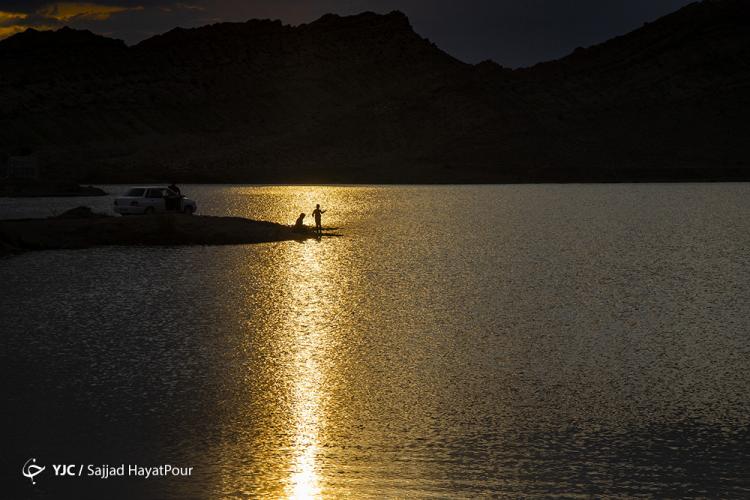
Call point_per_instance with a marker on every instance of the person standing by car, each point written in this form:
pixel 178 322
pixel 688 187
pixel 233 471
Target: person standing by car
pixel 173 200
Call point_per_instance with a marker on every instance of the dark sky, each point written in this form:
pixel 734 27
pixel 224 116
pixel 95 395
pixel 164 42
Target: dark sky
pixel 510 32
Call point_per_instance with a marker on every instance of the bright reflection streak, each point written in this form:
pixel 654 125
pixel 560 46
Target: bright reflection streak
pixel 309 285
pixel 298 304
pixel 303 481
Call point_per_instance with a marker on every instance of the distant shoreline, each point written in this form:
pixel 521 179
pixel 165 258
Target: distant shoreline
pixel 440 182
pixel 34 188
pixel 455 175
pixel 93 191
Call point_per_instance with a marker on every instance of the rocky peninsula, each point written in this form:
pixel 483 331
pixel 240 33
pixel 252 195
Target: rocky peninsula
pixel 82 228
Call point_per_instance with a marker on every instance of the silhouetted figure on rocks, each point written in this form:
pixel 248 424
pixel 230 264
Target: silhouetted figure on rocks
pixel 317 213
pixel 299 226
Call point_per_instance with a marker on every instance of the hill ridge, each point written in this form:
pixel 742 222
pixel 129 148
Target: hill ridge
pixel 365 98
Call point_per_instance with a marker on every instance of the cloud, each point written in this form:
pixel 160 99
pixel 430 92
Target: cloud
pixel 81 11
pixel 50 16
pixel 12 23
pixel 181 6
pixel 6 31
pixel 187 6
pixel 10 17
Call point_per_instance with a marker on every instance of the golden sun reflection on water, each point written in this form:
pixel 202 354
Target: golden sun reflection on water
pixel 296 319
pixel 330 370
pixel 306 409
pixel 303 336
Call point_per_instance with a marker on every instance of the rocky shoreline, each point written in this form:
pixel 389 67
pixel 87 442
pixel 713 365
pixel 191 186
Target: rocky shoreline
pixel 81 228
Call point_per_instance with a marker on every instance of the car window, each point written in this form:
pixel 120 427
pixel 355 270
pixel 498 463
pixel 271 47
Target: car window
pixel 154 193
pixel 135 192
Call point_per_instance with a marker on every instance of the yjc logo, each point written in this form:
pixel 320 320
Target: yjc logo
pixel 65 470
pixel 31 470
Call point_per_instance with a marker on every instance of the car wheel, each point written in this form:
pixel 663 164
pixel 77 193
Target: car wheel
pixel 187 210
pixel 149 211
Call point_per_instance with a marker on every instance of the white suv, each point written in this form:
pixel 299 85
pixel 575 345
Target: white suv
pixel 153 199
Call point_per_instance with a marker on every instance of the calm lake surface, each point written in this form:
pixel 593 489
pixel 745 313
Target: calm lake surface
pixel 454 341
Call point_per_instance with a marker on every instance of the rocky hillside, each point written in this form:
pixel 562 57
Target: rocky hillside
pixel 365 99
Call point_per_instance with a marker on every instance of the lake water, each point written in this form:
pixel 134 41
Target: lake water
pixel 466 341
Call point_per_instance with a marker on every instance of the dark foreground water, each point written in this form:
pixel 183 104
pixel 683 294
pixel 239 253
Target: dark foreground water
pixel 455 341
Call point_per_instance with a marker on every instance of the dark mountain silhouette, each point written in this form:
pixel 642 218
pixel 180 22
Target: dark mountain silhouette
pixel 365 99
